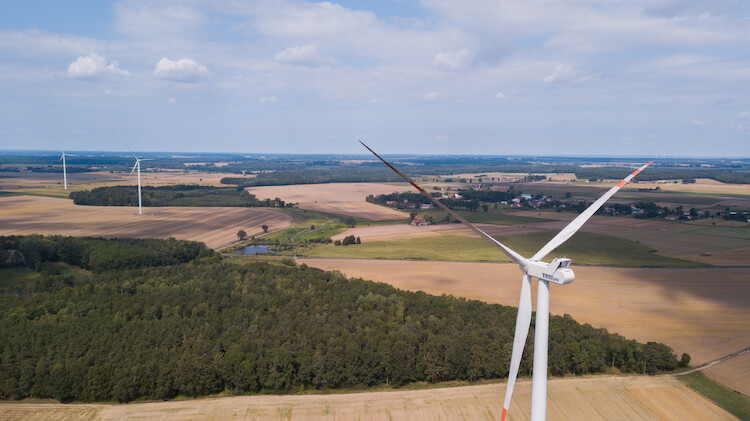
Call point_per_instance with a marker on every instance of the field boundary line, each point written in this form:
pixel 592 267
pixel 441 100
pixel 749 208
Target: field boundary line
pixel 714 362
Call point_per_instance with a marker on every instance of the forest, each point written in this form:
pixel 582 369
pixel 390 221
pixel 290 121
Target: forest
pixel 175 195
pixel 209 326
pixel 97 254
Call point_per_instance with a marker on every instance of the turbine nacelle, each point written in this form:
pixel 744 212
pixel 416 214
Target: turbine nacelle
pixel 556 272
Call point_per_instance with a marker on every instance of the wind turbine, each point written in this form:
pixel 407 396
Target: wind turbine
pixel 138 166
pixel 65 174
pixel 557 272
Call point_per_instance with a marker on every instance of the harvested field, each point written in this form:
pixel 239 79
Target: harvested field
pixel 702 311
pixel 364 210
pixel 592 398
pixel 89 180
pixel 733 373
pixel 213 226
pixel 339 198
pixel 703 186
pixel 11 411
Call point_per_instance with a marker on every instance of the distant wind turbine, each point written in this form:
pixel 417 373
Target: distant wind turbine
pixel 557 272
pixel 138 166
pixel 65 174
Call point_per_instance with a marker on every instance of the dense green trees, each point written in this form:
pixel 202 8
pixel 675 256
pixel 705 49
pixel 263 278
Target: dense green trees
pixel 97 254
pixel 177 195
pixel 207 326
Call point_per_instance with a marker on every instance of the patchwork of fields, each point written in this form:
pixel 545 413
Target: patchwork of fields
pixel 700 310
pixel 21 215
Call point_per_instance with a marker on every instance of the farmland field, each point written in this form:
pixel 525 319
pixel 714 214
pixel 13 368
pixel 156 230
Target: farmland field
pixel 214 226
pixel 583 248
pixel 733 373
pixel 52 183
pixel 339 198
pixel 702 311
pixel 587 398
pixel 715 245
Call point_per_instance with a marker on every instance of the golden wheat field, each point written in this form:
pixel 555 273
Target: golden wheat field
pixel 22 215
pixel 589 398
pixel 340 198
pixel 702 311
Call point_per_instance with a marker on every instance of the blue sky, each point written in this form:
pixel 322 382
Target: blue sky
pixel 584 77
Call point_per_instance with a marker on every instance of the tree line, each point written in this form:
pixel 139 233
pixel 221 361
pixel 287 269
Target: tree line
pixel 97 254
pixel 208 326
pixel 176 195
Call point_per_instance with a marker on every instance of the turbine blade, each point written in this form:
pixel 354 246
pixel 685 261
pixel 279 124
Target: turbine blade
pixel 523 320
pixel 581 219
pixel 505 249
pixel 131 171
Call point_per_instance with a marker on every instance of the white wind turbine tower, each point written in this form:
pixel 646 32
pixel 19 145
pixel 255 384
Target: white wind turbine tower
pixel 65 174
pixel 557 272
pixel 138 166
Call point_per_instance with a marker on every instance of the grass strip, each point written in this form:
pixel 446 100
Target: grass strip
pixel 735 403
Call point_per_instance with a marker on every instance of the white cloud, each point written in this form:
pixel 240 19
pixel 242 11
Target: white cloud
pixel 564 74
pixel 592 25
pixel 698 123
pixel 183 70
pixel 500 95
pixel 93 65
pixel 268 99
pixel 158 21
pixel 348 32
pixel 432 96
pixel 172 101
pixel 306 55
pixel 453 60
pixel 744 115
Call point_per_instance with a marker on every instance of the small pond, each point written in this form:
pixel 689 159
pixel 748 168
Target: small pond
pixel 256 249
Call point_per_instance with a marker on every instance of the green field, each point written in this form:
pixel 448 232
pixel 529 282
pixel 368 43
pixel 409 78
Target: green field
pixel 324 232
pixel 282 235
pixel 584 248
pixel 719 231
pixel 305 218
pixel 491 217
pixel 734 402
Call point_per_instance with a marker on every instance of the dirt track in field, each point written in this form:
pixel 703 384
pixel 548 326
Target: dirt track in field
pixel 339 198
pixel 590 398
pixel 702 311
pixel 23 215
